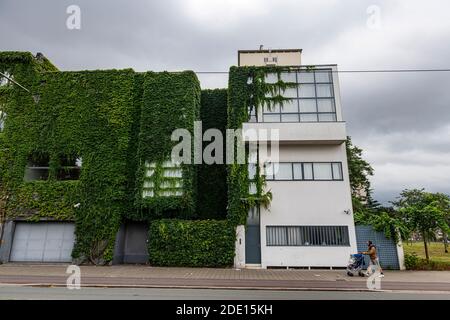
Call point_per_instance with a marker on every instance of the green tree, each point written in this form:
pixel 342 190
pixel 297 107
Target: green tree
pixel 360 171
pixel 423 212
pixel 444 203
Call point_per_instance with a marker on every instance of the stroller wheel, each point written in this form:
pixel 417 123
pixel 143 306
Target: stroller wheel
pixel 361 274
pixel 350 274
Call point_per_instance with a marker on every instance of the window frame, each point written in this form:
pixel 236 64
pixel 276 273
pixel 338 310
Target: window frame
pixel 152 190
pixel 40 160
pixel 334 233
pixel 298 99
pixel 63 166
pixel 302 163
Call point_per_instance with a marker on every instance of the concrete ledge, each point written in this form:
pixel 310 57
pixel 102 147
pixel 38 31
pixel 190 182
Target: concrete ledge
pixel 298 133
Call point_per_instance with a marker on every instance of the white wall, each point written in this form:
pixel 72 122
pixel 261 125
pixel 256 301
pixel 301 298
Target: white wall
pixel 239 254
pixel 299 133
pixel 309 203
pixel 288 58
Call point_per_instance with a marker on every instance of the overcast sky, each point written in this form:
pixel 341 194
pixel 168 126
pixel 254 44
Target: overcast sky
pixel 402 121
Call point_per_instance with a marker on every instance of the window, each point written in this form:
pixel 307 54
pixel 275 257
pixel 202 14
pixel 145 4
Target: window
pixel 4 81
pixel 253 171
pixel 170 177
pixel 70 167
pixel 322 171
pixel 270 59
pixel 253 115
pixel 307 236
pixel 325 171
pixel 37 167
pixel 2 120
pixel 283 171
pixel 307 171
pixel 298 172
pixel 311 99
pixel 337 171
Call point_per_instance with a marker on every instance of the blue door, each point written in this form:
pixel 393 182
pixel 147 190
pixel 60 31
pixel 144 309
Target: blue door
pixel 253 238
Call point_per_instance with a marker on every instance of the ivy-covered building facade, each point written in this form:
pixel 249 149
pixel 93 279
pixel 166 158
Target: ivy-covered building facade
pixel 86 173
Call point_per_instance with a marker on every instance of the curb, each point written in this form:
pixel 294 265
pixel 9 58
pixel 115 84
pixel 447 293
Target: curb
pixel 137 286
pixel 112 286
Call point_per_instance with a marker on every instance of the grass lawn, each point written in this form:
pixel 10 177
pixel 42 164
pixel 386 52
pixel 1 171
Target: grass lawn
pixel 435 250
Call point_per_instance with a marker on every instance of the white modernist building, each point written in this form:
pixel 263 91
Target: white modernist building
pixel 310 220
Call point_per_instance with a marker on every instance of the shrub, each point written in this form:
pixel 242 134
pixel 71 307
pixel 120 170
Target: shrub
pixel 413 262
pixel 201 243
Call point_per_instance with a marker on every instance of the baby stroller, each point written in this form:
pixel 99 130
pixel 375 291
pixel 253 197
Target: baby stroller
pixel 355 265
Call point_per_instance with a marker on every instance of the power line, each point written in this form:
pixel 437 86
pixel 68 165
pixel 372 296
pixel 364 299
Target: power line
pixel 15 82
pixel 36 97
pixel 353 71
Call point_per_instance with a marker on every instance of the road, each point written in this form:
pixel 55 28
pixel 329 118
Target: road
pixel 59 293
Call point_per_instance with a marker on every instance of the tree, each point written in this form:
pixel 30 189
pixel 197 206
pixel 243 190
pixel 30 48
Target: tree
pixel 444 203
pixel 423 212
pixel 359 171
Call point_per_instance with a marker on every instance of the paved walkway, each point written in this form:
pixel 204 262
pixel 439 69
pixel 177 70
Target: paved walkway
pixel 146 276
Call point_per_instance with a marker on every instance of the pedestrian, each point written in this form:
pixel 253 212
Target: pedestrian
pixel 374 261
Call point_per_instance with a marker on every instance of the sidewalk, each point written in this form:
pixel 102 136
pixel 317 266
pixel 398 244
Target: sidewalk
pixel 146 276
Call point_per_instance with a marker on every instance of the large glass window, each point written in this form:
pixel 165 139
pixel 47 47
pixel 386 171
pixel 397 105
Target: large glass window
pixel 325 171
pixel 307 236
pixel 311 99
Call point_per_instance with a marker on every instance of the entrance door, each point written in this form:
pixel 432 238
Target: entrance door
pixel 253 238
pixel 135 246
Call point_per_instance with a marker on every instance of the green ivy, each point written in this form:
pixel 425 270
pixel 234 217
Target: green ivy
pixel 88 114
pixel 117 120
pixel 247 91
pixel 212 178
pixel 201 243
pixel 174 97
pixel 39 199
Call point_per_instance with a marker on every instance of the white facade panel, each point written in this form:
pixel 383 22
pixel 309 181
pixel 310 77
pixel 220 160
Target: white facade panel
pixel 309 203
pixel 291 132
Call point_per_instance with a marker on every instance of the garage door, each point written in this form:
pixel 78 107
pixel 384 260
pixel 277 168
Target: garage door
pixel 43 242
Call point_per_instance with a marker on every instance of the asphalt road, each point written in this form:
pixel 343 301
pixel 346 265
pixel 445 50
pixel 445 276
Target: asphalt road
pixel 58 293
pixel 222 283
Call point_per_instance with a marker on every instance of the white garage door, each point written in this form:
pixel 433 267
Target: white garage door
pixel 43 242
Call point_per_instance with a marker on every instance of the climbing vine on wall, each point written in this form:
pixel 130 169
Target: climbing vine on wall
pixel 88 114
pixel 248 92
pixel 116 121
pixel 174 97
pixel 212 184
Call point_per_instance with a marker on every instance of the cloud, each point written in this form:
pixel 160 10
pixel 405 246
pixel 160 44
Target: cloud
pixel 407 160
pixel 400 120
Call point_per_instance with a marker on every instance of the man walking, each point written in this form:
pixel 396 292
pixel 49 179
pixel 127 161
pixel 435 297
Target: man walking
pixel 374 261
